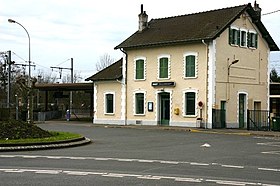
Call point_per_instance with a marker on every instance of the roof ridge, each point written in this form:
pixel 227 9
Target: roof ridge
pixel 207 11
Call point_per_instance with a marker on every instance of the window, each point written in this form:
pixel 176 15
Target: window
pixel 234 36
pixel 190 66
pixel 190 103
pixel 252 40
pixel 139 103
pixel 243 39
pixel 140 69
pixel 164 67
pixel 109 103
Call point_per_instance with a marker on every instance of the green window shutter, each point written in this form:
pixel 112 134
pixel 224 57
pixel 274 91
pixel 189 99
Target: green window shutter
pixel 109 103
pixel 139 101
pixel 190 103
pixel 238 37
pixel 190 66
pixel 249 40
pixel 230 36
pixel 256 40
pixel 163 68
pixel 140 69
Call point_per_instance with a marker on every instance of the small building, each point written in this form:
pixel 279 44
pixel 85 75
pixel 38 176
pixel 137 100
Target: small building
pixel 183 70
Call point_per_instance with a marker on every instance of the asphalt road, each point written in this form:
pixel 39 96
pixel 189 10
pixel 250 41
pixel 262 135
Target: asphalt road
pixel 125 156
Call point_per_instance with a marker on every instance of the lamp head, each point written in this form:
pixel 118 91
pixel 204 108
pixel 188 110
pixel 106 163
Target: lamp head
pixel 11 21
pixel 235 61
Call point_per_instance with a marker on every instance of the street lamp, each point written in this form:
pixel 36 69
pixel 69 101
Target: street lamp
pixel 29 111
pixel 232 63
pixel 228 86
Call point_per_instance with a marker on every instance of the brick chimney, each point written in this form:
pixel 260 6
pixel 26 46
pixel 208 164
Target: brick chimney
pixel 143 20
pixel 258 10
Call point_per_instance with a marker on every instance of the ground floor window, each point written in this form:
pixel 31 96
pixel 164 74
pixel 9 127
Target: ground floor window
pixel 109 103
pixel 139 103
pixel 190 107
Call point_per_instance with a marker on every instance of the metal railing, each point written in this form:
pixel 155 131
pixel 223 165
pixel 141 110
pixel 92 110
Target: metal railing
pixel 258 120
pixel 219 119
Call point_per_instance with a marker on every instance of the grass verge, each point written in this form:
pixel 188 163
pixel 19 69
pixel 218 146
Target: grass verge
pixel 56 136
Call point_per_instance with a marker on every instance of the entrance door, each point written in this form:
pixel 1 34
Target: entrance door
pixel 242 105
pixel 164 108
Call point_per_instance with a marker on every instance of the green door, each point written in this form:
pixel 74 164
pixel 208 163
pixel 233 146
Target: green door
pixel 223 114
pixel 242 99
pixel 164 108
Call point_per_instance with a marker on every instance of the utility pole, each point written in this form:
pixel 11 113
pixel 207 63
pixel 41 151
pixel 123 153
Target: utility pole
pixel 72 81
pixel 9 79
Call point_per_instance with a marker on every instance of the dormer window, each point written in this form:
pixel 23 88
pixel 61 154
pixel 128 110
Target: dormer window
pixel 252 39
pixel 243 38
pixel 234 36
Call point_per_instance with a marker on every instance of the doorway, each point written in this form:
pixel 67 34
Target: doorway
pixel 164 108
pixel 242 110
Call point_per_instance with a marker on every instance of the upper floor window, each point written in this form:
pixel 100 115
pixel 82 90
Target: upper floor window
pixel 190 65
pixel 252 39
pixel 163 68
pixel 234 36
pixel 139 103
pixel 139 73
pixel 243 38
pixel 109 103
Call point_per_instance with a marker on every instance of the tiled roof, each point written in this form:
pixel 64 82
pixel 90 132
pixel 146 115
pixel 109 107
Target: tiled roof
pixel 191 28
pixel 112 72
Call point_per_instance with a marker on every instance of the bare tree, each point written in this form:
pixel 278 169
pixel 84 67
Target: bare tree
pixel 44 77
pixel 76 78
pixel 104 61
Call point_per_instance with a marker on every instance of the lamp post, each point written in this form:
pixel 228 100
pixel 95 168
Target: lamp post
pixel 228 86
pixel 29 110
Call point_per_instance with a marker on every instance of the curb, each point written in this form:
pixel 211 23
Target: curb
pixel 198 130
pixel 45 145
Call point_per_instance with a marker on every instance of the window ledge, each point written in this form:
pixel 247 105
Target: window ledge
pixel 190 116
pixel 190 77
pixel 139 114
pixel 109 114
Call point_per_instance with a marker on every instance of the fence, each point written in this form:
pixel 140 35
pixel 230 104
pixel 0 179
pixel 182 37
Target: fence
pixel 258 120
pixel 218 119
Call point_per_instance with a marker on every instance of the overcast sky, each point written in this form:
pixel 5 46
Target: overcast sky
pixel 85 30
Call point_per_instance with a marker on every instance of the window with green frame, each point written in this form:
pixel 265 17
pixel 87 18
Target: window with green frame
pixel 190 66
pixel 189 103
pixel 139 69
pixel 234 36
pixel 252 40
pixel 163 67
pixel 109 103
pixel 139 103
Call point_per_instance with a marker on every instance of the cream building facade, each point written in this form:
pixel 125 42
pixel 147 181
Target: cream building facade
pixel 180 71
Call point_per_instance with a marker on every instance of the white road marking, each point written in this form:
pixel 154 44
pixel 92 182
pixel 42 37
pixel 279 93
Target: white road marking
pixel 138 176
pixel 272 152
pixel 170 162
pixel 269 169
pixel 30 156
pixel 233 166
pixel 201 164
pixel 189 180
pixel 138 161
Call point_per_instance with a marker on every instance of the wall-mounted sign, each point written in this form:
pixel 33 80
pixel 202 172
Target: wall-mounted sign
pixel 150 106
pixel 164 84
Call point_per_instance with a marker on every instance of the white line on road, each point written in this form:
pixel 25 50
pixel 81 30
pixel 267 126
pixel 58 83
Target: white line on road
pixel 201 164
pixel 138 176
pixel 269 169
pixel 233 166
